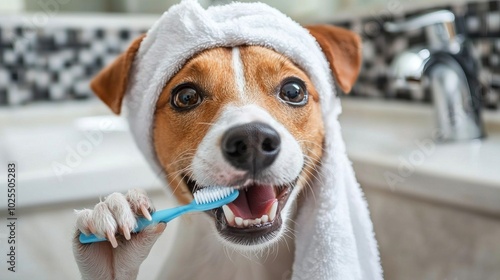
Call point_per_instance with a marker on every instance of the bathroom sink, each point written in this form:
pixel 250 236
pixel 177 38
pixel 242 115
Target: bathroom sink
pixel 392 147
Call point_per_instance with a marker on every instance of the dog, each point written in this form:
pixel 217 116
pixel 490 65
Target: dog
pixel 245 117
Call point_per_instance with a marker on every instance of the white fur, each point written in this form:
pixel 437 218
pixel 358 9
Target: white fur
pixel 239 73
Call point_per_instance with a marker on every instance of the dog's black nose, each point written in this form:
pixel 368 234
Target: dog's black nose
pixel 252 147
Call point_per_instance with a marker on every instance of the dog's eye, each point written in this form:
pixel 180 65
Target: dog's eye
pixel 185 98
pixel 294 93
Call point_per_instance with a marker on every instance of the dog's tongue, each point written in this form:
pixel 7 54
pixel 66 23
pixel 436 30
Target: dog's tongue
pixel 253 202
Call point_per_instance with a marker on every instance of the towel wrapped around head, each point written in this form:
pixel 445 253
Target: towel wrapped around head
pixel 334 235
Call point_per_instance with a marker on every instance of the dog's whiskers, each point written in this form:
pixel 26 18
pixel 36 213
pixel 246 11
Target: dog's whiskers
pixel 313 143
pixel 314 167
pixel 308 187
pixel 187 155
pixel 176 187
pixel 185 170
pixel 313 173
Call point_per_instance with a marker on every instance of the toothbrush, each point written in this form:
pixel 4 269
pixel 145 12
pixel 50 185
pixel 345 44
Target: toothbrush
pixel 204 199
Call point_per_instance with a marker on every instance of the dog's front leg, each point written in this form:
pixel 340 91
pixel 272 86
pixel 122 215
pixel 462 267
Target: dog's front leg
pixel 122 256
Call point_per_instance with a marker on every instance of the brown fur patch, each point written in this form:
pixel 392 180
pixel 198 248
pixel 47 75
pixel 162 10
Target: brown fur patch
pixel 342 49
pixel 111 83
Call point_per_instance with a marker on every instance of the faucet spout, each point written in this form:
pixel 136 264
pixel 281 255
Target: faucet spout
pixel 456 98
pixel 452 72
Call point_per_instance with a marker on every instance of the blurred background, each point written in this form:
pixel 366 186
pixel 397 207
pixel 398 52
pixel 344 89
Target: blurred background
pixel 422 127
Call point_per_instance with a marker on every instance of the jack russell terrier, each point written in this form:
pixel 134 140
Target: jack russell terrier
pixel 241 115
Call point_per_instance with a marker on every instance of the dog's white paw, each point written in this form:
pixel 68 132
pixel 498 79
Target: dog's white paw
pixel 117 214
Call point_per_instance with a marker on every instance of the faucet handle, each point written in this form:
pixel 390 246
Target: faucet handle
pixel 437 17
pixel 439 27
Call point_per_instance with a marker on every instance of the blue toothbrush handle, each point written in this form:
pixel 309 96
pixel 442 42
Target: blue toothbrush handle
pixel 162 216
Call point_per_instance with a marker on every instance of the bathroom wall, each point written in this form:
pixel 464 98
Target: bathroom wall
pixel 479 21
pixel 53 58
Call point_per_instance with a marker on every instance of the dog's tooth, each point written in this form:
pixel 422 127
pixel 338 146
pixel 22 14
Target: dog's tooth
pixel 229 214
pixel 238 221
pixel 264 218
pixel 272 212
pixel 246 222
pixel 257 221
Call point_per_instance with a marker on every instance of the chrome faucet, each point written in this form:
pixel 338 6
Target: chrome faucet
pixel 448 66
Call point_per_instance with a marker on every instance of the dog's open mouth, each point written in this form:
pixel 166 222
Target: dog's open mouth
pixel 254 216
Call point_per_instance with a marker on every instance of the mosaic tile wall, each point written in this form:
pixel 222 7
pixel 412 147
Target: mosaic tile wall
pixel 56 63
pixel 480 22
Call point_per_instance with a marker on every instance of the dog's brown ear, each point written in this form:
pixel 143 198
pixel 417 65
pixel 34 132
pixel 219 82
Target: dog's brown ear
pixel 342 48
pixel 111 83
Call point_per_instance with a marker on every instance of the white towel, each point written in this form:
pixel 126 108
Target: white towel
pixel 334 234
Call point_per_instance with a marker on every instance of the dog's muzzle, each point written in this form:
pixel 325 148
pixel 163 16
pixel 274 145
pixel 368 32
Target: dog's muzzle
pixel 255 216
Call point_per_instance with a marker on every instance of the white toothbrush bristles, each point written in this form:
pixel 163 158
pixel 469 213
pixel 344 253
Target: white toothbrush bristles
pixel 211 194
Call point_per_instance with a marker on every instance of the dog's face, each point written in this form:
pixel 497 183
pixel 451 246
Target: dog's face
pixel 242 117
pixel 248 118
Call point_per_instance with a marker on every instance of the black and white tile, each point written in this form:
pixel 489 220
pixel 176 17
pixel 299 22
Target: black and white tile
pixel 57 62
pixel 479 21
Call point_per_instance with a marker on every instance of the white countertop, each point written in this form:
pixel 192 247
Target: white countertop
pixel 63 154
pixel 380 137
